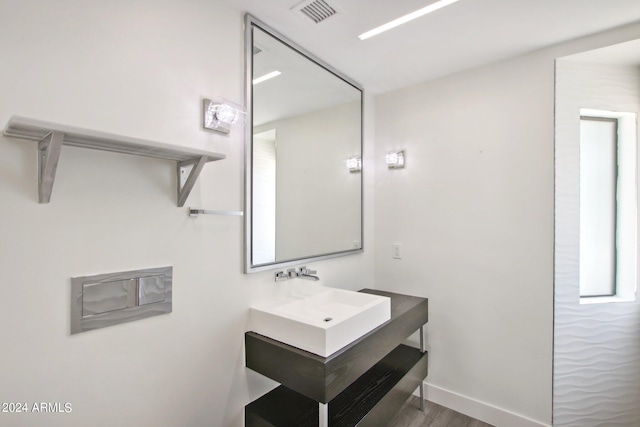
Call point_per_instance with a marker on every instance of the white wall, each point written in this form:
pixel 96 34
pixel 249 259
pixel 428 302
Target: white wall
pixel 138 68
pixel 597 346
pixel 473 211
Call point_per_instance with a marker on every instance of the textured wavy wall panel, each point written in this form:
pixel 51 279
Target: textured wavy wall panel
pixel 596 346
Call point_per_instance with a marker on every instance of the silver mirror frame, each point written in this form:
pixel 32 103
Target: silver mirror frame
pixel 251 22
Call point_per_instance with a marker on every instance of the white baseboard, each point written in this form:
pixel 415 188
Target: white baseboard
pixel 482 411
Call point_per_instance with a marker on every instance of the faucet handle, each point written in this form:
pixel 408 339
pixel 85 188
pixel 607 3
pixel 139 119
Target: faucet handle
pixel 281 275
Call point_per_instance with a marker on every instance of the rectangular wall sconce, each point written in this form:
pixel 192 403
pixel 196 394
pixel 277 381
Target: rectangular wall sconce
pixel 219 114
pixel 395 160
pixel 354 164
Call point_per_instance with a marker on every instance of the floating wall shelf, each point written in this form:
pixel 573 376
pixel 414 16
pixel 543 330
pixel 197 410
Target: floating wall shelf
pixel 52 136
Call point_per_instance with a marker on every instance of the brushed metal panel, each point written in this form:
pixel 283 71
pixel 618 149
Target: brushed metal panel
pixel 110 299
pixel 151 289
pixel 108 296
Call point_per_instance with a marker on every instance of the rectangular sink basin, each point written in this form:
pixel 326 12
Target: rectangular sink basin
pixel 322 320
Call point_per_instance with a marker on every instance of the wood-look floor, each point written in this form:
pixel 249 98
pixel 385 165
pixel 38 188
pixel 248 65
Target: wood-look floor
pixel 433 416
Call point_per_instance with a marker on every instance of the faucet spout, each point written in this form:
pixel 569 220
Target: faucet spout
pixel 292 273
pixel 307 274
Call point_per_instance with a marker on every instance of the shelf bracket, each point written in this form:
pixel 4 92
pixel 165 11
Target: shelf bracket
pixel 188 172
pixel 49 149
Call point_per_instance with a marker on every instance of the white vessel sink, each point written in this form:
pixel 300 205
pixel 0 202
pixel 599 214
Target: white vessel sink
pixel 321 320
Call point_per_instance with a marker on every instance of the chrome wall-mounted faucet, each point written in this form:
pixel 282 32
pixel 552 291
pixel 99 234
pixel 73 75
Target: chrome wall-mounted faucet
pixel 307 274
pixel 301 273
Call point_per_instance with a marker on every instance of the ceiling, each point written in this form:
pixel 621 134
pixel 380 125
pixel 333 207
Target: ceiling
pixel 464 35
pixel 626 54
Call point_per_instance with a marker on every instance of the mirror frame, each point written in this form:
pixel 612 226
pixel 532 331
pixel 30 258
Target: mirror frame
pixel 250 23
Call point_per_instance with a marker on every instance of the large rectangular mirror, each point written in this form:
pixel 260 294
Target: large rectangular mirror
pixel 303 155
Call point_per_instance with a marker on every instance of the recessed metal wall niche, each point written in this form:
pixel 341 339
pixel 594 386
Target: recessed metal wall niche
pixel 109 299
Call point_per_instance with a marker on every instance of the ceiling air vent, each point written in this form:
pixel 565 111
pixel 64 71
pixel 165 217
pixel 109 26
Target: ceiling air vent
pixel 316 10
pixel 258 48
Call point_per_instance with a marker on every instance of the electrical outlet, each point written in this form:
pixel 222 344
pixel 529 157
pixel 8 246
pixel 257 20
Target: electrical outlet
pixel 397 253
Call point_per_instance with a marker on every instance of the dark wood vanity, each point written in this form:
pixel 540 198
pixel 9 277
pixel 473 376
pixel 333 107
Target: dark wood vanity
pixel 364 383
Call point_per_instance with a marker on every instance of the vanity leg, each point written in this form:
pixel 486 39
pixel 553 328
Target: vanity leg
pixel 323 420
pixel 422 408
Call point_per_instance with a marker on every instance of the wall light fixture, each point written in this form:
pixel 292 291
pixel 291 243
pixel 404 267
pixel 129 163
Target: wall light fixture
pixel 395 160
pixel 219 114
pixel 354 164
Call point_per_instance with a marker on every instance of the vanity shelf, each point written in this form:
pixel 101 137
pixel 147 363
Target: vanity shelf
pixel 52 136
pixel 372 400
pixel 365 383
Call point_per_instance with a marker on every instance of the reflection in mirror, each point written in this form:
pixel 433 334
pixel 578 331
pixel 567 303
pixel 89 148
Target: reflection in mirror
pixel 303 201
